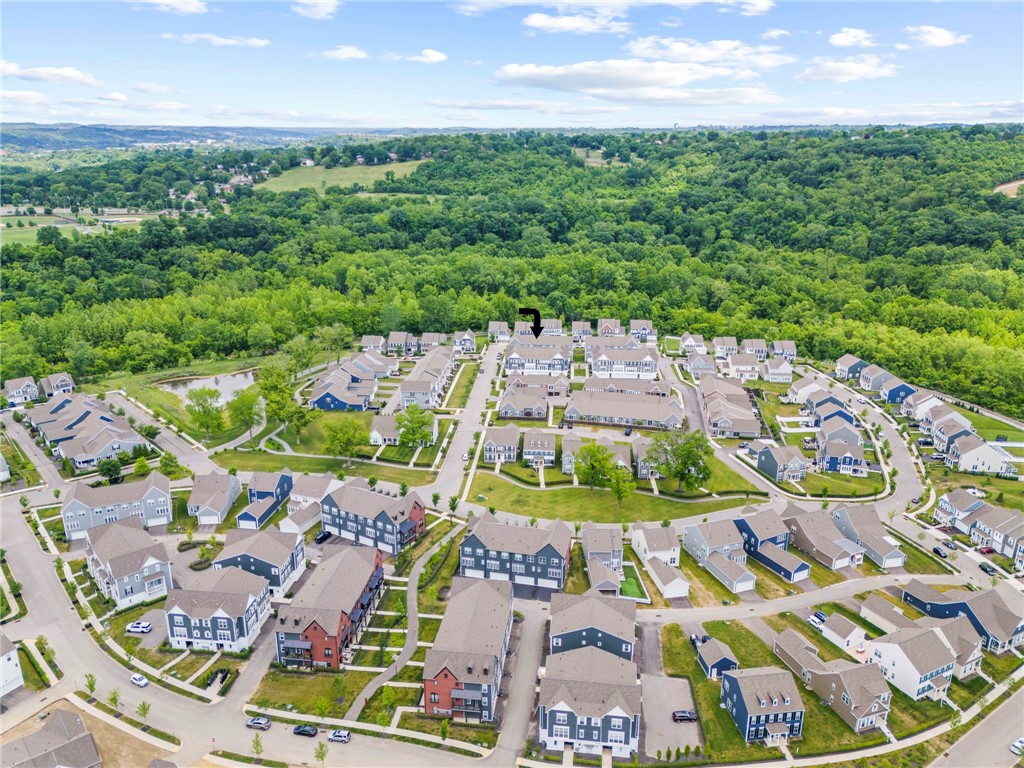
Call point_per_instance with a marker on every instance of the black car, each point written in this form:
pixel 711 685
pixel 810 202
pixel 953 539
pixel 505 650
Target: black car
pixel 321 537
pixel 629 431
pixel 988 568
pixel 684 716
pixel 305 730
pixel 705 638
pixel 940 552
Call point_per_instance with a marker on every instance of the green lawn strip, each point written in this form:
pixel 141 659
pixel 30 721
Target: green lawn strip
pixel 722 738
pixel 367 658
pixel 231 518
pixel 429 600
pixel 965 692
pixel 842 485
pixel 990 428
pixel 303 689
pixel 55 528
pixel 786 620
pixel 22 607
pixel 657 601
pixel 821 575
pixel 632 585
pixel 48 513
pixel 420 654
pixel 154 657
pixel 527 475
pixel 245 461
pixel 399 454
pixel 268 429
pixel 237 758
pixel 919 561
pixel 21 467
pixel 482 735
pixel 463 385
pixel 576 581
pixel 571 504
pixel 409 674
pixel 1000 667
pixel 524 423
pixel 750 650
pixel 944 480
pixel 424 543
pixel 705 589
pixel 188 666
pixel 722 480
pixel 30 671
pixel 856 618
pixel 168 737
pixel 374 708
pixel 429 452
pixel 393 600
pixel 907 717
pixel 769 584
pixel 429 629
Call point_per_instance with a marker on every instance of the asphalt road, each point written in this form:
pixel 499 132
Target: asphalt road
pixel 988 745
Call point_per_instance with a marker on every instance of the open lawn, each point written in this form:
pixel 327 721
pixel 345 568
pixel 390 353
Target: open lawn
pixel 816 484
pixel 33 680
pixel 723 480
pixel 990 428
pixel 231 517
pixel 631 585
pixel 429 453
pixel 319 178
pixel 400 454
pixel 750 650
pixel 429 598
pixel 947 480
pixel 999 667
pixel 576 582
pixel 20 466
pixel 303 689
pixel 268 462
pixel 820 575
pixel 770 585
pixel 463 385
pixel 797 622
pixel 907 716
pixel 721 736
pixel 919 561
pixel 965 692
pixel 657 601
pixel 188 666
pixel 311 439
pixel 154 657
pixel 572 504
pixel 404 697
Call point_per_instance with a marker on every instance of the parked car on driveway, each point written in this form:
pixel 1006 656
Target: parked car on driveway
pixel 684 716
pixel 820 616
pixel 305 730
pixel 259 723
pixel 140 680
pixel 342 737
pixel 321 537
pixel 1017 747
pixel 815 622
pixel 141 627
pixel 986 550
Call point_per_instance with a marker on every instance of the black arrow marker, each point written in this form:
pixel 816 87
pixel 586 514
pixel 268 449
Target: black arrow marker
pixel 537 328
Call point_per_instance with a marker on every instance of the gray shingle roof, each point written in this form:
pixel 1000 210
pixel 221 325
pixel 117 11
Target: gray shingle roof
pixel 228 589
pixel 334 587
pixel 591 682
pixel 6 646
pixel 210 491
pixel 123 546
pixel 609 614
pixel 765 684
pixel 270 545
pixel 841 625
pixel 357 498
pixel 122 493
pixel 62 742
pixel 925 651
pixel 520 538
pixel 720 533
pixel 659 538
pixel 765 523
pixel 714 650
pixel 472 632
pixel 601 539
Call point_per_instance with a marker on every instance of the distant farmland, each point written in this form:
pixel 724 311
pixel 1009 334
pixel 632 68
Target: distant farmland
pixel 319 178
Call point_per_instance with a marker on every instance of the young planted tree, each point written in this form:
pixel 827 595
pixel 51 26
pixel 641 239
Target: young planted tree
pixel 320 753
pixel 387 698
pixel 444 729
pixel 435 499
pixel 683 457
pixel 300 352
pixel 90 683
pixel 621 484
pixel 169 463
pixel 256 746
pixel 141 468
pixel 114 699
pixel 143 710
pixel 203 405
pixel 453 505
pixel 593 465
pixel 321 708
pixel 403 489
pixel 245 409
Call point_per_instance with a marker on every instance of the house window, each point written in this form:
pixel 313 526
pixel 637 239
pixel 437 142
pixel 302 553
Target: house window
pixel 615 724
pixel 327 653
pixel 561 718
pixel 542 560
pixel 556 642
pixel 434 698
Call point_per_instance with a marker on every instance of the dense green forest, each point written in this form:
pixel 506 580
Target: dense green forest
pixel 887 244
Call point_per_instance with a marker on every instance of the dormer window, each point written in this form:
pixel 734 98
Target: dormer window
pixel 762 702
pixel 786 700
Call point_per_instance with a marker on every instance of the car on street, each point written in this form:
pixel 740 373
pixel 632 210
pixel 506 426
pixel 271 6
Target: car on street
pixel 140 680
pixel 986 550
pixel 940 552
pixel 342 737
pixel 916 500
pixel 862 400
pixel 259 723
pixel 1017 747
pixel 629 431
pixel 305 730
pixel 684 716
pixel 321 537
pixel 694 641
pixel 141 627
pixel 465 457
pixel 950 544
pixel 561 425
pixel 743 445
pixel 988 568
pixel 568 425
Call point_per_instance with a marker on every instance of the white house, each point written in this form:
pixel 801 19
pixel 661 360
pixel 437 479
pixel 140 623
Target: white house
pixel 914 660
pixel 10 667
pixel 652 540
pixel 969 453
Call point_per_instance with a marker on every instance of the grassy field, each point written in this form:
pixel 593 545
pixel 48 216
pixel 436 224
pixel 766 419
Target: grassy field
pixel 18 462
pixel 965 692
pixel 721 736
pixel 579 504
pixel 404 697
pixel 989 428
pixel 312 438
pixel 907 716
pixel 919 561
pixel 816 484
pixel 826 651
pixel 154 657
pixel 769 584
pixel 657 600
pixel 946 480
pixel 999 667
pixel 631 585
pixel 319 178
pixel 463 385
pixel 820 575
pixel 722 480
pixel 483 735
pixel 576 582
pixel 268 462
pixel 302 690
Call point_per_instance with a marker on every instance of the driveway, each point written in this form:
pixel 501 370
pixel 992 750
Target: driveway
pixel 662 696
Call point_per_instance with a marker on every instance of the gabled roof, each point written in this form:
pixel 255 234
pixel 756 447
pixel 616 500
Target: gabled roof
pixel 604 539
pixel 266 482
pixel 122 493
pixel 888 611
pixel 62 742
pixel 313 486
pixel 764 523
pixel 714 651
pixel 802 653
pixel 998 615
pixel 228 589
pixel 124 547
pixel 765 684
pixel 609 614
pixel 523 398
pixel 591 682
pixel 960 635
pixel 332 588
pixel 536 440
pixel 719 533
pixel 847 360
pixel 357 498
pixel 659 538
pixel 472 633
pixel 270 545
pixel 502 435
pixel 523 539
pixel 211 491
pixel 841 625
pixel 6 646
pixel 923 649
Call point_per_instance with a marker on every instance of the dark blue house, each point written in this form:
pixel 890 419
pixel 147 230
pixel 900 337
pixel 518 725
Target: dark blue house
pixel 830 414
pixel 267 492
pixel 580 621
pixel 764 703
pixel 843 458
pixel 896 391
pixel 715 658
pixel 1000 625
pixel 816 402
pixel 765 538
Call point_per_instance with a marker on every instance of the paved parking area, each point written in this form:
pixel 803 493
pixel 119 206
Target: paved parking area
pixel 663 695
pixel 153 639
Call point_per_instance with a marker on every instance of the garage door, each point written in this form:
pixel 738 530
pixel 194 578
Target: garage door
pixel 473 574
pixel 524 580
pixel 208 519
pixel 366 541
pixel 499 576
pixel 550 583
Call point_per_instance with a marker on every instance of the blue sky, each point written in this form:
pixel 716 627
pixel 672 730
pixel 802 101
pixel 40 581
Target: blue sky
pixel 507 63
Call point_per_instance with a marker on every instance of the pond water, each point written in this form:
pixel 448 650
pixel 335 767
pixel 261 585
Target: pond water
pixel 226 384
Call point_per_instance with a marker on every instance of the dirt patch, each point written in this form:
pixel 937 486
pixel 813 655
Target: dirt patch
pixel 1010 189
pixel 118 748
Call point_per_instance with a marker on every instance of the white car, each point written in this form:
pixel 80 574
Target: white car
pixel 815 622
pixel 141 627
pixel 140 680
pixel 342 737
pixel 1017 747
pixel 465 457
pixel 862 400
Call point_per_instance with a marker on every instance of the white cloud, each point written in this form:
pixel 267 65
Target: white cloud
pixel 426 56
pixel 985 111
pixel 24 98
pixel 578 24
pixel 47 74
pixel 218 40
pixel 901 46
pixel 151 88
pixel 862 67
pixel 851 37
pixel 345 53
pixel 115 97
pixel 936 37
pixel 532 105
pixel 725 52
pixel 774 34
pixel 466 117
pixel 745 7
pixel 635 80
pixel 316 9
pixel 181 7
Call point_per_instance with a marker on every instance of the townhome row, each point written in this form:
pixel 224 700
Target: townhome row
pixel 405 344
pixel 995 614
pixel 351 384
pixel 429 379
pixel 728 410
pixel 843 537
pixel 28 390
pixel 517 553
pixel 641 330
pixel 84 430
pixel 987 525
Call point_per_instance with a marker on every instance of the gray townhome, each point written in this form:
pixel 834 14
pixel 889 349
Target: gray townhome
pixel 222 610
pixel 604 543
pixel 372 517
pixel 718 547
pixel 590 701
pixel 501 444
pixel 129 567
pixel 517 553
pixel 86 507
pixel 278 557
pixel 578 621
pixel 212 497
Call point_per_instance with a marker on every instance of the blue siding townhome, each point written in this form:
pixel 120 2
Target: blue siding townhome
pixel 765 538
pixel 765 704
pixel 578 621
pixel 716 658
pixel 784 464
pixel 591 701
pixel 827 415
pixel 221 610
pixel 517 553
pixel 843 458
pixel 862 525
pixel 896 391
pixel 818 400
pixel 997 617
pixel 849 367
pixel 267 492
pixel 374 517
pixel 873 378
pixel 278 557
